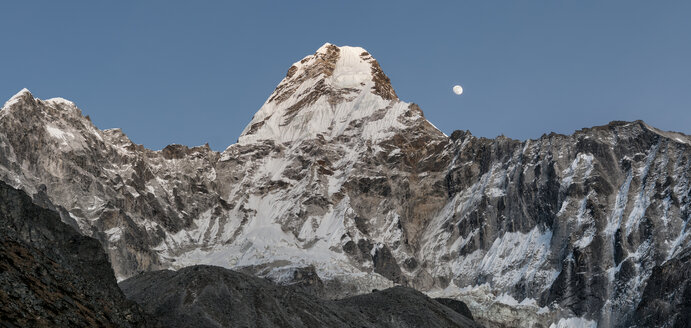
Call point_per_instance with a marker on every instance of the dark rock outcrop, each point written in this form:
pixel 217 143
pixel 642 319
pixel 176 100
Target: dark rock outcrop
pixel 666 300
pixel 455 305
pixel 208 296
pixel 306 280
pixel 52 276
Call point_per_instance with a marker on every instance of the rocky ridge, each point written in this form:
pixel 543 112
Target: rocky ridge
pixel 336 172
pixel 208 296
pixel 50 275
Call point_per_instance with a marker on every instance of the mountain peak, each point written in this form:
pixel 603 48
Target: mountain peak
pixel 337 68
pixel 325 47
pixel 23 95
pixel 335 82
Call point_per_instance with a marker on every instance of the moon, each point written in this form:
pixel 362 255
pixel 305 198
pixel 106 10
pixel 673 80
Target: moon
pixel 457 89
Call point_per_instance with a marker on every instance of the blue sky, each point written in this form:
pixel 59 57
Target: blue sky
pixel 196 71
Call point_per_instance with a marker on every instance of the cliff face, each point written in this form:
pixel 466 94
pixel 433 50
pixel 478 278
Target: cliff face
pixel 50 275
pixel 666 299
pixel 575 221
pixel 336 172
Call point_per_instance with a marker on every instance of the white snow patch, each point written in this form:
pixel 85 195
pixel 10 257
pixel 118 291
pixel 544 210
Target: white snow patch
pixel 582 164
pixel 514 257
pixel 676 244
pixel 684 141
pixel 66 139
pixel 642 200
pixel 614 221
pixel 574 322
pixel 15 99
pixel 263 241
pixel 496 192
pixel 586 239
pixel 132 191
pixel 507 299
pixel 60 101
pixel 114 234
pixel 497 306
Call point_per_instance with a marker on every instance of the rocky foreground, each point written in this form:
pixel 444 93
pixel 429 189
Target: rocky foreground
pixel 208 296
pixel 52 276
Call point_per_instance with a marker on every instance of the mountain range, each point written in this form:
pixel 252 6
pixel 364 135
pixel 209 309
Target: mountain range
pixel 336 174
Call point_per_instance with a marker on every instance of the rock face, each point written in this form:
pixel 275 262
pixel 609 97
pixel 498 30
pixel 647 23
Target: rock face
pixel 666 300
pixel 335 172
pixel 455 305
pixel 208 296
pixel 52 276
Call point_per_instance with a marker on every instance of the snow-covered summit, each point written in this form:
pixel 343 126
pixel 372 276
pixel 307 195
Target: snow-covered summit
pixel 22 94
pixel 323 93
pixel 61 101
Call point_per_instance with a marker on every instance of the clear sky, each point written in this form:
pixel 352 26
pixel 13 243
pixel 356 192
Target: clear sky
pixel 192 72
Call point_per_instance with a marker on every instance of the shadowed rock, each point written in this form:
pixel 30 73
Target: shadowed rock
pixel 208 296
pixel 455 305
pixel 667 297
pixel 51 276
